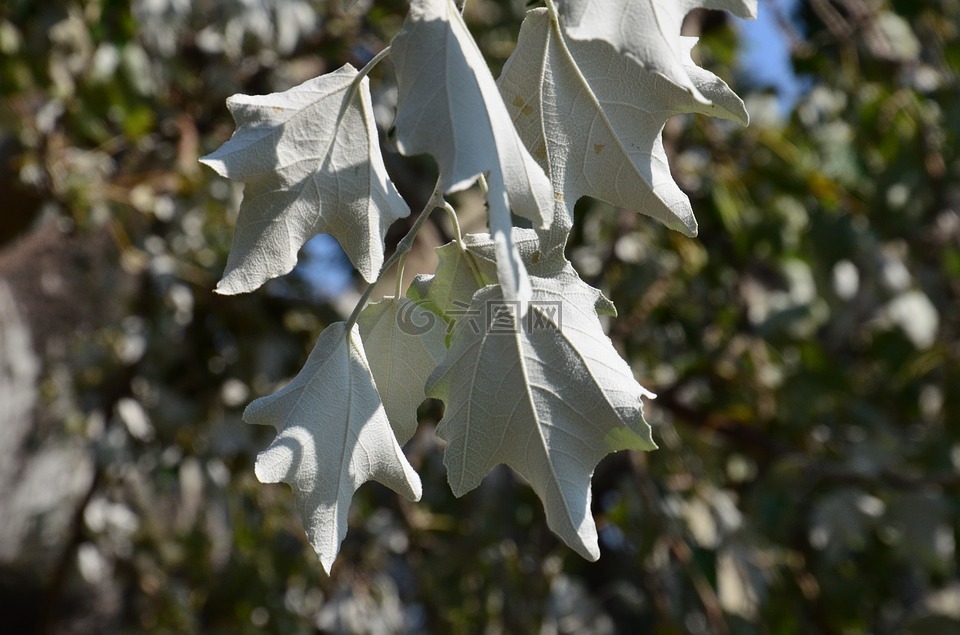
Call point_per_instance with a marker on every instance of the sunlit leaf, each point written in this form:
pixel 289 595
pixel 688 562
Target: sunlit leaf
pixel 648 31
pixel 449 106
pixel 332 436
pixel 311 162
pixel 594 119
pixel 548 395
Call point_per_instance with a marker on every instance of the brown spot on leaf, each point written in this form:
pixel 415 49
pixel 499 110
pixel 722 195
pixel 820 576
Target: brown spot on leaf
pixel 540 152
pixel 524 107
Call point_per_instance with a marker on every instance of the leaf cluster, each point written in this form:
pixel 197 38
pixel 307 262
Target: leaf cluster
pixel 505 332
pixel 803 347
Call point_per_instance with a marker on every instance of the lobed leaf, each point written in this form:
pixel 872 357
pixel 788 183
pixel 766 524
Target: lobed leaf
pixel 310 160
pixel 549 399
pixel 594 119
pixel 647 31
pixel 332 436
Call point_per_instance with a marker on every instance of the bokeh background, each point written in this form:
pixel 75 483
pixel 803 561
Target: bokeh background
pixel 805 347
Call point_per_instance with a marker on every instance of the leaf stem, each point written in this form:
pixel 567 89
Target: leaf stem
pixel 399 254
pixel 452 213
pixel 373 62
pixel 553 10
pixel 484 188
pixel 363 72
pixel 398 287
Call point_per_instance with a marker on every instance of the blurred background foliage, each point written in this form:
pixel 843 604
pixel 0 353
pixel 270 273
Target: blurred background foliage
pixel 805 348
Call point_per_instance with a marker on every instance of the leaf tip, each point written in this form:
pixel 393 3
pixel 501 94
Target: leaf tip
pixel 237 280
pixel 416 487
pixel 678 215
pixel 458 487
pixel 254 413
pixel 604 305
pixel 214 162
pixel 226 288
pixel 326 559
pixel 262 472
pixel 587 546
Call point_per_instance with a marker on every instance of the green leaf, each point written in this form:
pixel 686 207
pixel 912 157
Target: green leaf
pixel 310 159
pixel 594 119
pixel 404 343
pixel 332 436
pixel 459 275
pixel 461 272
pixel 549 399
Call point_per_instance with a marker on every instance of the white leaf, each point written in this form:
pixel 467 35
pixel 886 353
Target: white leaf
pixel 332 436
pixel 404 343
pixel 311 162
pixel 594 119
pixel 449 106
pixel 646 30
pixel 550 400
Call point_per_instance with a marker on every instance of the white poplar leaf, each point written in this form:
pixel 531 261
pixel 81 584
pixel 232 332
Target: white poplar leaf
pixel 594 119
pixel 332 436
pixel 449 106
pixel 404 343
pixel 550 400
pixel 648 31
pixel 310 161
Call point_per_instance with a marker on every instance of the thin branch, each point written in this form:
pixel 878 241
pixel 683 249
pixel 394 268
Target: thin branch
pixel 404 246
